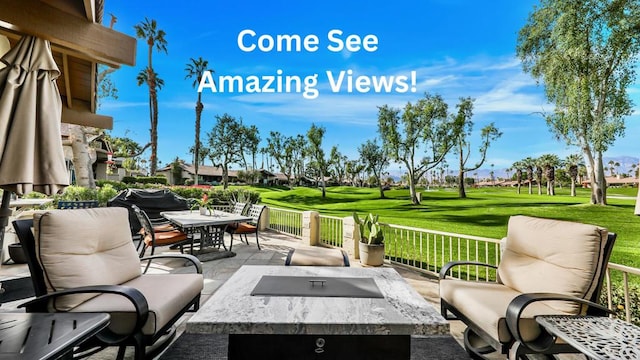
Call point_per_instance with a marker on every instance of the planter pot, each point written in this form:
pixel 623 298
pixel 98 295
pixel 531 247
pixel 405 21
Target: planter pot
pixel 205 211
pixel 371 255
pixel 17 254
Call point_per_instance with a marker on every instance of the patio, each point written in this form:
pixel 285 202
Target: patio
pixel 275 247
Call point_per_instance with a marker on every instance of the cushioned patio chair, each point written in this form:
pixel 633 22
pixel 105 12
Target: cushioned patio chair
pixel 85 261
pixel 548 267
pixel 154 236
pixel 245 228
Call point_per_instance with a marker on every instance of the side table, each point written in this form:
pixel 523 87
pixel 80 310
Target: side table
pixel 595 336
pixel 46 335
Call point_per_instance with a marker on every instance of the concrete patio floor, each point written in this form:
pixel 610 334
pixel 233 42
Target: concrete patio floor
pixel 275 247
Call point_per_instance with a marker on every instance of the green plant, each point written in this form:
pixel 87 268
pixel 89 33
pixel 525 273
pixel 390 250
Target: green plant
pixel 370 229
pixel 106 193
pixel 118 185
pixel 204 202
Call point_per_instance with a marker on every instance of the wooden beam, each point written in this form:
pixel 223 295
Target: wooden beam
pixel 67 81
pixel 37 18
pixel 93 87
pixel 90 9
pixel 85 118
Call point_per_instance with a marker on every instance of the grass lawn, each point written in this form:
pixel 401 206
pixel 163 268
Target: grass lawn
pixel 485 211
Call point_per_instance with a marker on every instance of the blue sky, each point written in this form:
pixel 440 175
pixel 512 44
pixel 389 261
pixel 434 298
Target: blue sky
pixel 456 48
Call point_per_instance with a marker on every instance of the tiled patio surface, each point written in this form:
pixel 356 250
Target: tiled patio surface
pixel 275 247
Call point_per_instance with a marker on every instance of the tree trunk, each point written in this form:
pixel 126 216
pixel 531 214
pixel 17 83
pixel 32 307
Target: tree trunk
pixel 381 190
pixel 225 176
pixel 461 193
pixel 412 190
pixel 81 158
pixel 196 156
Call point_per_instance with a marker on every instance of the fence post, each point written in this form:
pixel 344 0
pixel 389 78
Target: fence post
pixel 350 237
pixel 311 227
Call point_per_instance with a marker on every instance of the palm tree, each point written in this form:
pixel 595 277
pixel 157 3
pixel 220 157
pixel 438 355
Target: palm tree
pixel 573 162
pixel 148 30
pixel 518 166
pixel 550 162
pixel 529 164
pixel 611 167
pixel 195 69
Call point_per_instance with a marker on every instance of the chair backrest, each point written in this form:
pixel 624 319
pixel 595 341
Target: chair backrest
pixel 543 255
pixel 147 228
pixel 24 231
pixel 239 208
pixel 84 204
pixel 255 212
pixel 84 247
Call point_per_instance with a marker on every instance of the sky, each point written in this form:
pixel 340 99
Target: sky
pixel 454 48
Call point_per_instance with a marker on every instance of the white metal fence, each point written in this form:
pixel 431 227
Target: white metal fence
pixel 429 250
pixel 285 221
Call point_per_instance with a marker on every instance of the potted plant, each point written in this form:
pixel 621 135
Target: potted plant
pixel 371 243
pixel 204 204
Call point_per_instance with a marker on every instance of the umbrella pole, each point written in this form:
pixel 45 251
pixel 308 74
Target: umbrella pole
pixel 5 212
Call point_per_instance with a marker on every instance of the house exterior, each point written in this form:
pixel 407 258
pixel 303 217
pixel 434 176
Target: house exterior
pixel 209 175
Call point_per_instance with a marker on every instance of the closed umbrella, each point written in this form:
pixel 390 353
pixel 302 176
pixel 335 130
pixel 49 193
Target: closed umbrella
pixel 31 155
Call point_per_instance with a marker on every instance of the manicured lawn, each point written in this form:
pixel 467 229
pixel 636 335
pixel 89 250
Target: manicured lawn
pixel 485 212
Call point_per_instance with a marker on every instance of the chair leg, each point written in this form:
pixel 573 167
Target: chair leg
pixel 230 241
pixel 257 241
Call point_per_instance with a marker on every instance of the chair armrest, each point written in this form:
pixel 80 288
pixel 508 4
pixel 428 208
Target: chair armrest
pixel 448 266
pixel 519 303
pixel 194 260
pixel 40 304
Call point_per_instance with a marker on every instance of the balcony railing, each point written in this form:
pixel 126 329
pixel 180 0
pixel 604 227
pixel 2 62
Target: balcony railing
pixel 286 221
pixel 331 230
pixel 428 250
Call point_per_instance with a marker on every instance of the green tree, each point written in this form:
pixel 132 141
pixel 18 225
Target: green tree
pixel 148 30
pixel 225 144
pixel 549 162
pixel 518 166
pixel 281 148
pixel 488 134
pixel 195 68
pixel 353 169
pixel 584 52
pixel 423 126
pixel 375 161
pixel 573 162
pixel 529 164
pixel 539 173
pixel 337 163
pixel 314 138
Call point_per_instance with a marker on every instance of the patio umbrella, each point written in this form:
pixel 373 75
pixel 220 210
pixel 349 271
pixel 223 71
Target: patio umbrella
pixel 31 155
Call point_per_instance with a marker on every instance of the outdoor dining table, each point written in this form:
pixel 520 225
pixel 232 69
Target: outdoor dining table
pixel 46 335
pixel 210 227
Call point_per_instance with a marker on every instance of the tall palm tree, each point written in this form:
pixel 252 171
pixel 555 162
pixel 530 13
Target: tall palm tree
pixel 573 162
pixel 549 162
pixel 195 69
pixel 529 164
pixel 518 166
pixel 148 30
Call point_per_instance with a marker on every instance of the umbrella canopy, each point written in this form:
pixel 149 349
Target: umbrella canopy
pixel 31 155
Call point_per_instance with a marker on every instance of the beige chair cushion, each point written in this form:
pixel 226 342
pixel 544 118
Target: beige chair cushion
pixel 160 291
pixel 485 304
pixel 554 256
pixel 316 256
pixel 84 247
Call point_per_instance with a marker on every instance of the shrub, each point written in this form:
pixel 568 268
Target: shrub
pixel 188 182
pixel 78 193
pixel 617 298
pixel 105 193
pixel 188 192
pixel 160 179
pixel 118 185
